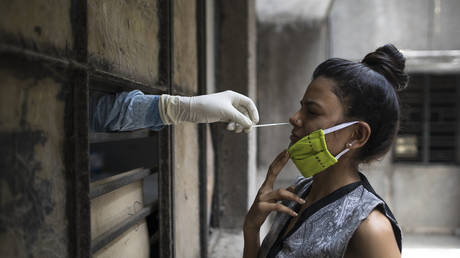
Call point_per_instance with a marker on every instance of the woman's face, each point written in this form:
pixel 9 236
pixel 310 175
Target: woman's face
pixel 320 109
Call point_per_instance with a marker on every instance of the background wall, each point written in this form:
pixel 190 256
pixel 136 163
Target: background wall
pixel 359 26
pixel 292 40
pixel 186 146
pixel 33 180
pixel 35 118
pixel 235 164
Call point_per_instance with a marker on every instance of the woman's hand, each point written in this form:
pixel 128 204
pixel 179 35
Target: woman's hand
pixel 267 199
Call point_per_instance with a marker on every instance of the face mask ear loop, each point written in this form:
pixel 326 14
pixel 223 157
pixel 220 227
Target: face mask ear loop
pixel 341 153
pixel 338 127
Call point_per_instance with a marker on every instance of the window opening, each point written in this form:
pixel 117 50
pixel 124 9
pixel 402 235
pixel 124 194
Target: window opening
pixel 429 120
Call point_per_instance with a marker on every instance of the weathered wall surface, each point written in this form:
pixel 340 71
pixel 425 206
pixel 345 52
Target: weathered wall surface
pixel 290 45
pixel 360 26
pixel 186 194
pixel 425 198
pixel 292 39
pixel 186 173
pixel 235 70
pixel 35 107
pixel 185 57
pixel 26 25
pixel 283 77
pixel 33 219
pixel 123 38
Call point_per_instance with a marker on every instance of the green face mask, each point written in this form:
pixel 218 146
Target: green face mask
pixel 310 154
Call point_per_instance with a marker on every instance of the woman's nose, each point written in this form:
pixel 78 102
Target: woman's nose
pixel 295 120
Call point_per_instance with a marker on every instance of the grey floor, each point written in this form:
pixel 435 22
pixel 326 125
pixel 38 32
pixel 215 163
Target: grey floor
pixel 226 244
pixel 229 244
pixel 431 246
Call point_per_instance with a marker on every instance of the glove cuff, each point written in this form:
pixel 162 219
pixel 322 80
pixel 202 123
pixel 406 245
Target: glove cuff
pixel 173 109
pixel 163 108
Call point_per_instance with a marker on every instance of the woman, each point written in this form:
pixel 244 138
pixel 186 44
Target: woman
pixel 349 115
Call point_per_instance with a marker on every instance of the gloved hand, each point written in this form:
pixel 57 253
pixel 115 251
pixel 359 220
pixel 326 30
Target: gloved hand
pixel 228 106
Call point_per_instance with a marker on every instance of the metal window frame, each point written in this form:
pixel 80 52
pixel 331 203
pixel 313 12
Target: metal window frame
pixel 426 88
pixel 425 136
pixel 166 138
pixel 202 132
pixel 458 120
pixel 426 119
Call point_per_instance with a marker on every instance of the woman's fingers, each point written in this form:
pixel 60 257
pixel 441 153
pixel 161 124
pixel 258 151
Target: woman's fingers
pixel 267 207
pixel 275 168
pixel 279 195
pixel 291 189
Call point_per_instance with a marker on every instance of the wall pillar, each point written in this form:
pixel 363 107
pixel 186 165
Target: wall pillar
pixel 235 70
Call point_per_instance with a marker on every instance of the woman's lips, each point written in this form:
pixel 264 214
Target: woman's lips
pixel 294 138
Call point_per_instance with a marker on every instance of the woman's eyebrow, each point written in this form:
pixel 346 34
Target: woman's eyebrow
pixel 310 102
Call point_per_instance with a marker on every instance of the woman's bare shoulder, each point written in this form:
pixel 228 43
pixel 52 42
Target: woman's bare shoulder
pixel 374 238
pixel 375 224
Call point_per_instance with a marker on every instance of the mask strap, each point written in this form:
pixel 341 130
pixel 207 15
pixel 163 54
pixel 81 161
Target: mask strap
pixel 338 127
pixel 341 153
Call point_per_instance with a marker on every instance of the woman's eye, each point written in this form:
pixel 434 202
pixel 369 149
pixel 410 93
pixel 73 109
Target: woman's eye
pixel 312 113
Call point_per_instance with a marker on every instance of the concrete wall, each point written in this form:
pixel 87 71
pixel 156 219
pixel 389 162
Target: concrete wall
pixel 35 106
pixel 33 221
pixel 288 50
pixel 123 38
pixel 235 70
pixel 186 173
pixel 359 26
pixel 18 22
pixel 425 199
pixel 292 39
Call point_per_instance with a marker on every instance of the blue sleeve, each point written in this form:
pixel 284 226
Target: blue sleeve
pixel 126 111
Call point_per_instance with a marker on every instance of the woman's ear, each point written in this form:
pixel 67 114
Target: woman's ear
pixel 361 134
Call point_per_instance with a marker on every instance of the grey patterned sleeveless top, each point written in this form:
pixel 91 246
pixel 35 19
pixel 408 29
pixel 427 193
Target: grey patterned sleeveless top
pixel 325 228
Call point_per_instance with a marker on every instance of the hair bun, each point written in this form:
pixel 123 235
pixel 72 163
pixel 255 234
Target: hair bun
pixel 389 62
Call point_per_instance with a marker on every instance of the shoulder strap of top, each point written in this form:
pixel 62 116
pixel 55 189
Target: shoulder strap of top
pixel 385 210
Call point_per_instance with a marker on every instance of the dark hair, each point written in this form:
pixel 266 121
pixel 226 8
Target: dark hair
pixel 367 90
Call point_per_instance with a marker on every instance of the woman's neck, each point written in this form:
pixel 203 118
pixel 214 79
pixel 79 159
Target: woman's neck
pixel 332 179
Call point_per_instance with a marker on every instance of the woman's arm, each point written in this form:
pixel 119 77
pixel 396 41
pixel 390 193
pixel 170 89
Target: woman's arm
pixel 251 242
pixel 374 238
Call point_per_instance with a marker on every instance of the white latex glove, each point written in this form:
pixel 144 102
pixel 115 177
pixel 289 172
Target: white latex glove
pixel 228 106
